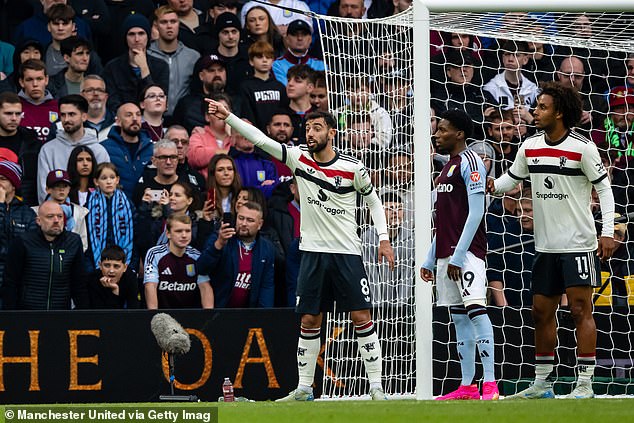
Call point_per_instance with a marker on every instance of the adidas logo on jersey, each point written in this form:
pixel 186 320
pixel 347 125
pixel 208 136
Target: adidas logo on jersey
pixel 167 271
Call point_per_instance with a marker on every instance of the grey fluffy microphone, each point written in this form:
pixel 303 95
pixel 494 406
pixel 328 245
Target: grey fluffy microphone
pixel 170 335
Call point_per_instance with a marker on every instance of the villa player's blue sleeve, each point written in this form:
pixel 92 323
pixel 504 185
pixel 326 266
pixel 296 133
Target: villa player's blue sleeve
pixel 430 261
pixel 474 180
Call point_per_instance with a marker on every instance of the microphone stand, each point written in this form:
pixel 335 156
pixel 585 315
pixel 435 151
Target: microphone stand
pixel 172 397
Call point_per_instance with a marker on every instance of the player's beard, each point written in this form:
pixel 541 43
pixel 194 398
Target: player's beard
pixel 321 144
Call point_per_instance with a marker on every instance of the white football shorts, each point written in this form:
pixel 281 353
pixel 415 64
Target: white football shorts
pixel 472 289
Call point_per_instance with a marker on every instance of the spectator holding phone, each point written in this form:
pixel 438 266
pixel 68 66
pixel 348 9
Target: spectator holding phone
pixel 223 185
pixel 183 200
pixel 153 190
pixel 240 262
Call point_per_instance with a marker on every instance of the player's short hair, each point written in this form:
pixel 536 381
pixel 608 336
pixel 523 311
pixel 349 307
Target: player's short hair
pixel 9 97
pixel 114 253
pixel 70 44
pixel 459 120
pixel 261 49
pixel 60 12
pixel 181 218
pixel 32 64
pixel 301 72
pixel 76 100
pixel 330 120
pixel 566 101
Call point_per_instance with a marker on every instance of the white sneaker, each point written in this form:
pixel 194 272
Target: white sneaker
pixel 534 392
pixel 297 395
pixel 581 391
pixel 378 394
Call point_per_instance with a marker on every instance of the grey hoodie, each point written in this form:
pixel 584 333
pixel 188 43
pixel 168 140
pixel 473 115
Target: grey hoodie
pixel 181 64
pixel 55 153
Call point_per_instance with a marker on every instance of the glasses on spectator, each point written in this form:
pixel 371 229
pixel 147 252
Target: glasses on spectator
pixel 165 158
pixel 182 141
pixel 155 96
pixel 92 91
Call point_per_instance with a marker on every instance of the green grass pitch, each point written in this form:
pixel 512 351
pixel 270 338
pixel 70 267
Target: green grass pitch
pixel 618 410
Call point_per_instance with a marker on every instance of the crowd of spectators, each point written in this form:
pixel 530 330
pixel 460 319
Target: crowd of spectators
pixel 104 135
pixel 118 190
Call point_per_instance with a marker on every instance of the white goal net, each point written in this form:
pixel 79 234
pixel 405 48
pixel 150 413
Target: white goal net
pixel 370 72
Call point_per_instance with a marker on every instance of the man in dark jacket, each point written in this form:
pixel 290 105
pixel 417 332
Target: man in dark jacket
pixel 212 78
pixel 46 266
pixel 284 219
pixel 127 75
pixel 240 267
pixel 15 216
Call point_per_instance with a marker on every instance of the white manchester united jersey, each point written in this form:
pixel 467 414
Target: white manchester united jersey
pixel 328 194
pixel 328 200
pixel 562 175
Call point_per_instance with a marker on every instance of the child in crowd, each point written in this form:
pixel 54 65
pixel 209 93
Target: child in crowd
pixel 261 93
pixel 81 169
pixel 110 217
pixel 57 189
pixel 113 285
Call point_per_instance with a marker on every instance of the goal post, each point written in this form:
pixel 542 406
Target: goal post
pixel 422 166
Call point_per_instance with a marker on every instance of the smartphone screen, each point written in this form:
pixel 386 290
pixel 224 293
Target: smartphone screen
pixel 227 218
pixel 155 194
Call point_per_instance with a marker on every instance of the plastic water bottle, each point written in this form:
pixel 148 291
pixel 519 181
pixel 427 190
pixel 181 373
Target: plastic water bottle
pixel 227 390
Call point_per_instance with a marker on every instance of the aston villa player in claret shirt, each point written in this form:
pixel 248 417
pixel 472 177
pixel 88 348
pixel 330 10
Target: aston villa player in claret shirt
pixel 458 251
